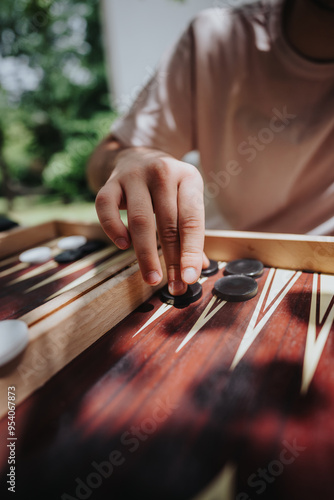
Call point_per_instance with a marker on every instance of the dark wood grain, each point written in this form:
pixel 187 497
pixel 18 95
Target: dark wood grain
pixel 16 300
pixel 173 420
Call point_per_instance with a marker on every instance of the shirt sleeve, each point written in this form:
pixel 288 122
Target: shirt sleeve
pixel 162 117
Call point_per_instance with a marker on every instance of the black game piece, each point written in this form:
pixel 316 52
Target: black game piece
pixel 68 256
pixel 193 293
pixel 6 224
pixel 247 267
pixel 211 270
pixel 78 253
pixel 236 288
pixel 92 246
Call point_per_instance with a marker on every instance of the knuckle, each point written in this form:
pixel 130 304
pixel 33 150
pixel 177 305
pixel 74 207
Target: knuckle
pixel 169 234
pixel 191 171
pixel 190 223
pixel 159 170
pixel 110 227
pixel 198 182
pixel 195 178
pixel 108 222
pixel 139 221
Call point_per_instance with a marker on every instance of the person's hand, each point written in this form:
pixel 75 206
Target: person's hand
pixel 145 182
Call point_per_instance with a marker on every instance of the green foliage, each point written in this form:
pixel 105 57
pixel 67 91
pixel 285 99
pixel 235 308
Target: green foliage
pixel 65 172
pixel 18 140
pixel 53 94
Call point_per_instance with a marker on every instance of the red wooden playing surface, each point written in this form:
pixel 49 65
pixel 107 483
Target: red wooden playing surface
pixel 141 415
pixel 17 299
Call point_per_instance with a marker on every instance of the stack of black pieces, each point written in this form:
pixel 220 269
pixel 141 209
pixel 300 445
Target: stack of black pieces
pixel 77 253
pixel 239 282
pixel 193 293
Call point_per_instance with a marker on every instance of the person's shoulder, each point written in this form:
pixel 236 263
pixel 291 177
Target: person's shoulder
pixel 217 19
pixel 213 18
pixel 218 29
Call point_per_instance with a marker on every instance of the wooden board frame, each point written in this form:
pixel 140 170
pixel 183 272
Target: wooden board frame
pixel 54 326
pixel 19 239
pixel 284 251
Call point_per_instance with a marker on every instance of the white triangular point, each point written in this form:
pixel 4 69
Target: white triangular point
pixel 14 269
pixel 316 344
pixel 75 267
pixel 222 487
pixel 279 280
pixel 159 312
pixel 48 266
pixel 203 319
pixel 326 294
pixel 84 277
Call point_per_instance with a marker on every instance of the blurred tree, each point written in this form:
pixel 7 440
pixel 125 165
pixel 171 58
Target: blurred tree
pixel 4 170
pixel 53 87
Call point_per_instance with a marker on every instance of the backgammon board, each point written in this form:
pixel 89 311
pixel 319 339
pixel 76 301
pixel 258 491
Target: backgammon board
pixel 214 401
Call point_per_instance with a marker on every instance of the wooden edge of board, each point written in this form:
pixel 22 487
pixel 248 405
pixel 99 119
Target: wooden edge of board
pixel 54 341
pixel 22 238
pixel 285 251
pixel 91 230
pixel 19 239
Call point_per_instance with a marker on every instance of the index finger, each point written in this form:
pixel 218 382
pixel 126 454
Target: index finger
pixel 191 227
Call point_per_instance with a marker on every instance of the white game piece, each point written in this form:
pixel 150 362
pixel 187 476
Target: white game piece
pixel 71 242
pixel 13 339
pixel 36 255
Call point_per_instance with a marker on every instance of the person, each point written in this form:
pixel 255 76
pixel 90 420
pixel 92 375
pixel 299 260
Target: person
pixel 252 89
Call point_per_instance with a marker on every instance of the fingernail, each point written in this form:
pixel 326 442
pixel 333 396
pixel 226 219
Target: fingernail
pixel 153 278
pixel 190 275
pixel 122 243
pixel 176 287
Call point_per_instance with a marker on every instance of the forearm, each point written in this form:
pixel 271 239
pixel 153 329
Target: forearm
pixel 103 161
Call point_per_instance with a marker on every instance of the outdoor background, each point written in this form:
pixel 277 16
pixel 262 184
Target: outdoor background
pixel 67 69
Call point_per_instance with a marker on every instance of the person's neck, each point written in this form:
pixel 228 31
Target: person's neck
pixel 309 29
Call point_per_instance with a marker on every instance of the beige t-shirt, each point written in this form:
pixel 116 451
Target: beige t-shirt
pixel 260 115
